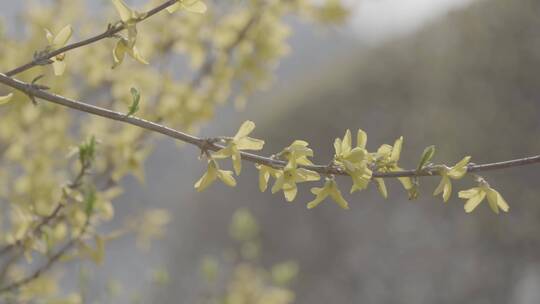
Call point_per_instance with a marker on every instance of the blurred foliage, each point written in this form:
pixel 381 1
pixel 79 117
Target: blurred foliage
pixel 241 279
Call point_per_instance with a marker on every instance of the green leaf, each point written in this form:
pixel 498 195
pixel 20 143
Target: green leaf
pixel 90 201
pixel 136 97
pixel 427 155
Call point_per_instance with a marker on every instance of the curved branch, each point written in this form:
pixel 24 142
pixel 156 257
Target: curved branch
pixel 111 31
pixel 210 144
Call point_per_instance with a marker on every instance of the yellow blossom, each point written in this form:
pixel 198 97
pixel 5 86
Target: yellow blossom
pixel 125 46
pixel 354 160
pixel 456 172
pixel 56 42
pixel 5 99
pixel 298 151
pixel 240 141
pixel 331 189
pixel 212 173
pixel 476 195
pixel 290 176
pixel 386 160
pixel 193 6
pixel 264 175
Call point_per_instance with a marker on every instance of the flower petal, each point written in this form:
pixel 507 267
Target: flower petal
pixel 245 129
pixel 381 186
pixel 123 10
pixel 396 149
pixel 59 67
pixel 196 7
pixel 227 178
pixel 474 201
pixel 5 99
pixel 361 139
pixel 62 37
pixel 248 143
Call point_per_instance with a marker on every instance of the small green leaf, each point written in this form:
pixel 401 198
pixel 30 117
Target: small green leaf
pixel 136 97
pixel 90 201
pixel 427 155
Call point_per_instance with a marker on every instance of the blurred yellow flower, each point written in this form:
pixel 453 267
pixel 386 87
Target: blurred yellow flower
pixel 193 6
pixel 56 42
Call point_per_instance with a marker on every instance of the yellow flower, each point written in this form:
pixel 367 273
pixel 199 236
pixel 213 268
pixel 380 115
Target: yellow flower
pixel 290 176
pixel 298 151
pixel 264 175
pixel 354 160
pixel 212 173
pixel 476 195
pixel 331 189
pixel 241 141
pixel 57 42
pixel 193 6
pixel 456 172
pixel 129 18
pixel 5 99
pixel 386 160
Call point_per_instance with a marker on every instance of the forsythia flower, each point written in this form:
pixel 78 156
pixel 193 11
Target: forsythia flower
pixel 57 42
pixel 240 141
pixel 264 175
pixel 386 159
pixel 194 6
pixel 290 176
pixel 456 172
pixel 354 160
pixel 476 195
pixel 129 17
pixel 5 99
pixel 331 189
pixel 298 151
pixel 212 173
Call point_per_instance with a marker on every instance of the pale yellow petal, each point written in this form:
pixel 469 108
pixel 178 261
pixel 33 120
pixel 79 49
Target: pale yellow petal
pixel 134 52
pixel 474 201
pixel 206 180
pixel 381 186
pixel 290 192
pixel 337 146
pixel 361 139
pixel 346 144
pixel 197 7
pixel 59 67
pixel 173 8
pixel 245 129
pixel 237 161
pixel 396 149
pixel 123 10
pixel 63 36
pixel 264 177
pixel 248 143
pixel 304 175
pixel 5 99
pixel 447 191
pixel 226 177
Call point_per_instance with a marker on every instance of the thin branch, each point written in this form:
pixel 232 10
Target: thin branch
pixel 50 262
pixel 208 144
pixel 109 32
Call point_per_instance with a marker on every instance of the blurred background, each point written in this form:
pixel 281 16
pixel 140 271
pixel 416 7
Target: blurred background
pixel 461 75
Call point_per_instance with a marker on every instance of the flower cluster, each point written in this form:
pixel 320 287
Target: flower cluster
pixel 292 166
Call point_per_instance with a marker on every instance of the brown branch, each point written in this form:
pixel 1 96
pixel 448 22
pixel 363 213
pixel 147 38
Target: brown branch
pixel 206 144
pixel 109 32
